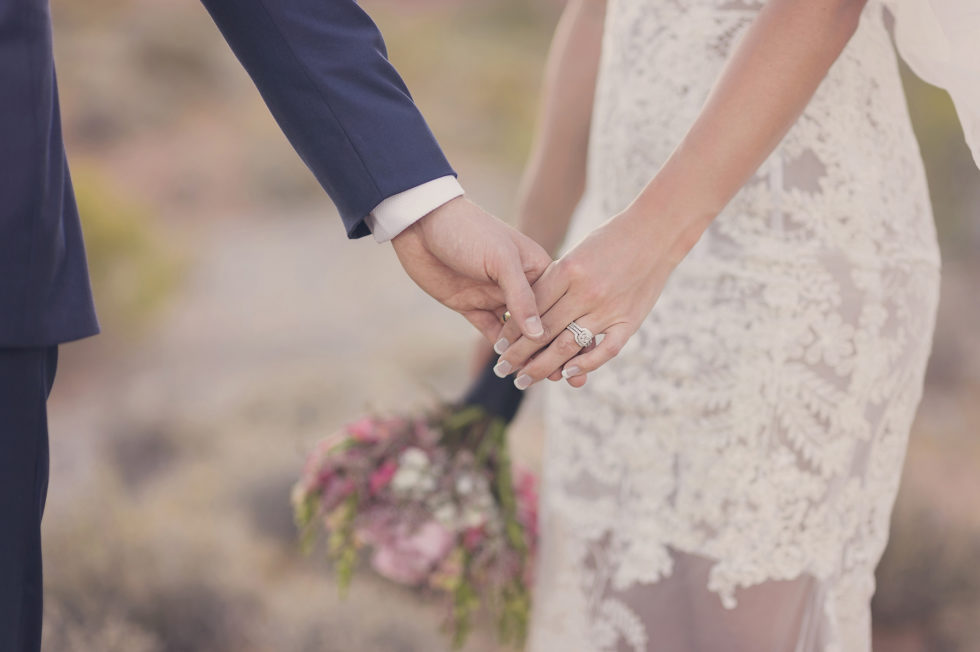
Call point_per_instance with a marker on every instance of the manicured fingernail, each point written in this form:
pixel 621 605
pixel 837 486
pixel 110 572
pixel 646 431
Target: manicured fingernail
pixel 523 381
pixel 502 368
pixel 501 345
pixel 534 327
pixel 568 372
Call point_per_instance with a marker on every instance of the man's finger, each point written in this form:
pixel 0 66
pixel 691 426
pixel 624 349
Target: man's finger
pixel 519 297
pixel 534 259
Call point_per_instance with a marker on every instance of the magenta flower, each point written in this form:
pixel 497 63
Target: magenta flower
pixel 474 536
pixel 381 476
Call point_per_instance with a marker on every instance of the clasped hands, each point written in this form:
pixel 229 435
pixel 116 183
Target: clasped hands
pixel 478 266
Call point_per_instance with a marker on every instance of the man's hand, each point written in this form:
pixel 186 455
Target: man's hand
pixel 470 261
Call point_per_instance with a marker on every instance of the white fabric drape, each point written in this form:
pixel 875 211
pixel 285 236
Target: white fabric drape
pixel 940 41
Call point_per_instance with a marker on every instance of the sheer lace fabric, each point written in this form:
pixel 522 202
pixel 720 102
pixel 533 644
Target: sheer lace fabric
pixel 726 482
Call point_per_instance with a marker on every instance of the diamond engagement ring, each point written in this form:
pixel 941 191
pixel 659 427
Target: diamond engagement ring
pixel 583 336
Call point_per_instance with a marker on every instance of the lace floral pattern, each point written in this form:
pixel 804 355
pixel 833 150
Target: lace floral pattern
pixel 752 433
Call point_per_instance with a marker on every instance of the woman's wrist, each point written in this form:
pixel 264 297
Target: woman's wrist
pixel 680 200
pixel 671 228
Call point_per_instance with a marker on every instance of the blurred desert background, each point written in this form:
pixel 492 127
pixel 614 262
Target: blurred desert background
pixel 239 326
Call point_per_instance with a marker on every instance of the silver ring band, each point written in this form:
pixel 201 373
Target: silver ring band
pixel 583 336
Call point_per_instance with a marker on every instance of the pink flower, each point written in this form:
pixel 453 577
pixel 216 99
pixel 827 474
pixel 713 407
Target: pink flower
pixel 381 476
pixel 364 430
pixel 410 556
pixel 377 524
pixel 527 503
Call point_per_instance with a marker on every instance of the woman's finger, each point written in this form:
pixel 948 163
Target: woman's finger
pixel 615 338
pixel 577 381
pixel 548 361
pixel 556 374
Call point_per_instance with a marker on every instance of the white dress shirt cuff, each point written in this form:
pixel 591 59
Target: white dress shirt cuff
pixel 398 212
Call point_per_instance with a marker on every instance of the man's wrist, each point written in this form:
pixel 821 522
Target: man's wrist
pixel 398 212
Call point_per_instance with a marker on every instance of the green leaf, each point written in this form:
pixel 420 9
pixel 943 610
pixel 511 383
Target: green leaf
pixel 463 417
pixel 304 515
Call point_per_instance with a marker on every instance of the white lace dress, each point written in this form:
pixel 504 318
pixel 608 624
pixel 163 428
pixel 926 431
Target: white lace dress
pixel 725 484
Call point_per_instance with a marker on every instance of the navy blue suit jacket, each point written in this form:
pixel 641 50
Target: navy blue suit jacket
pixel 320 65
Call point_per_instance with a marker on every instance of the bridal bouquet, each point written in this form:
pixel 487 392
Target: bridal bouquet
pixel 435 501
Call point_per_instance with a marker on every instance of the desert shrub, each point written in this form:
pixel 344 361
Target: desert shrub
pixel 142 454
pixel 66 630
pixel 117 578
pixel 928 578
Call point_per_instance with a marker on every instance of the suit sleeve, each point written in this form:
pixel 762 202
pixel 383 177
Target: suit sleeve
pixel 322 68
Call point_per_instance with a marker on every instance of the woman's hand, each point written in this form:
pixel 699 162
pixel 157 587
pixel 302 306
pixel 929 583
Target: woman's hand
pixel 608 283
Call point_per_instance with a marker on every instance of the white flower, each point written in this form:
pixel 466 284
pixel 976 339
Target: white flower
pixel 474 518
pixel 415 474
pixel 426 483
pixel 446 514
pixel 405 479
pixel 464 484
pixel 413 458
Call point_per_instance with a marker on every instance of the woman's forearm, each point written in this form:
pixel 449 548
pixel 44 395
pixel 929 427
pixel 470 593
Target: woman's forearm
pixel 554 179
pixel 765 85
